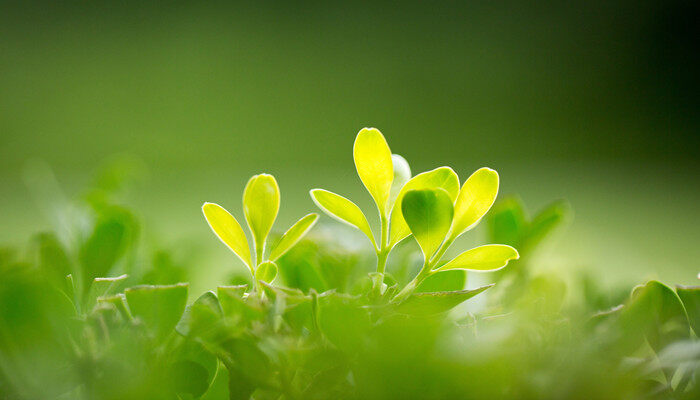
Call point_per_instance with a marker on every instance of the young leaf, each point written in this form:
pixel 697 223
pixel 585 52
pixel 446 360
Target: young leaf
pixel 159 307
pixel 444 178
pixel 422 304
pixel 266 271
pixel 428 214
pixel 490 257
pixel 475 198
pixel 228 230
pixel 292 236
pixel 402 174
pixel 545 222
pixel 690 295
pixel 343 210
pixel 374 165
pixel 261 202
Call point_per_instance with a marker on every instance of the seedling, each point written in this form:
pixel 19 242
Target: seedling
pixel 261 201
pixel 431 206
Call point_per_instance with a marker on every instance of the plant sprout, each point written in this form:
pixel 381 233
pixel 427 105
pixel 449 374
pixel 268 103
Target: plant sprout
pixel 261 201
pixel 430 205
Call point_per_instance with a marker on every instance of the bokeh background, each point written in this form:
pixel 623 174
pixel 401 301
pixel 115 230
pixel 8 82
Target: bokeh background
pixel 593 101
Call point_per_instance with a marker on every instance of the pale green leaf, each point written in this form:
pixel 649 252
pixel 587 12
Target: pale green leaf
pixel 374 165
pixel 343 210
pixel 266 271
pixel 444 178
pixel 228 230
pixel 402 174
pixel 261 202
pixel 292 236
pixel 428 214
pixel 443 281
pixel 475 198
pixel 490 257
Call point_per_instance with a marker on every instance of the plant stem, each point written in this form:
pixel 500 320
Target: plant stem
pixel 383 252
pixel 425 271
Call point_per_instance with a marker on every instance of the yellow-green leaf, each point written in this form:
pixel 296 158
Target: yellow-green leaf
pixel 266 271
pixel 343 210
pixel 428 214
pixel 402 173
pixel 444 178
pixel 292 236
pixel 489 257
pixel 475 198
pixel 228 230
pixel 261 202
pixel 374 165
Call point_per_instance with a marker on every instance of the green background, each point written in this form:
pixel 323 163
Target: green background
pixel 594 101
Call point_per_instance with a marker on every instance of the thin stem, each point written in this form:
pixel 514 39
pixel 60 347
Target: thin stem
pixel 383 252
pixel 425 271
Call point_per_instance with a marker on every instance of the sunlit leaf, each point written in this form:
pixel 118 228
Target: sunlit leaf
pixel 292 236
pixel 475 198
pixel 402 174
pixel 444 178
pixel 436 302
pixel 266 271
pixel 261 202
pixel 374 165
pixel 489 257
pixel 428 214
pixel 158 307
pixel 690 295
pixel 228 230
pixel 343 210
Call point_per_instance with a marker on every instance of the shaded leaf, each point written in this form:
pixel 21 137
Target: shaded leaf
pixel 428 214
pixel 443 281
pixel 690 295
pixel 159 307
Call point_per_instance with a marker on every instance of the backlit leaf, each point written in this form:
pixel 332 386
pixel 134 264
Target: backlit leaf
pixel 228 230
pixel 343 210
pixel 475 198
pixel 374 165
pixel 428 214
pixel 292 236
pixel 489 257
pixel 443 281
pixel 261 202
pixel 444 178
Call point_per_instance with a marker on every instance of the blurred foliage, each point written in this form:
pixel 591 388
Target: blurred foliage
pixel 106 317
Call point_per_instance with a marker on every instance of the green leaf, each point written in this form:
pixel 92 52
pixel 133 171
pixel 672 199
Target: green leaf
pixel 443 281
pixel 422 304
pixel 490 257
pixel 344 322
pixel 428 214
pixel 374 165
pixel 402 174
pixel 159 307
pixel 193 371
pixel 292 236
pixel 343 210
pixel 545 222
pixel 690 295
pixel 119 302
pixel 475 198
pixel 507 222
pixel 201 318
pixel 266 271
pixel 102 287
pixel 261 202
pixel 444 178
pixel 53 258
pixel 228 230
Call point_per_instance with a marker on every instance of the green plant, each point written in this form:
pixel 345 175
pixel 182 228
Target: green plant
pixel 261 202
pixel 431 206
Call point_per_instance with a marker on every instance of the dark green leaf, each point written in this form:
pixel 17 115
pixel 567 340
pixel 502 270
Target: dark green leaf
pixel 158 307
